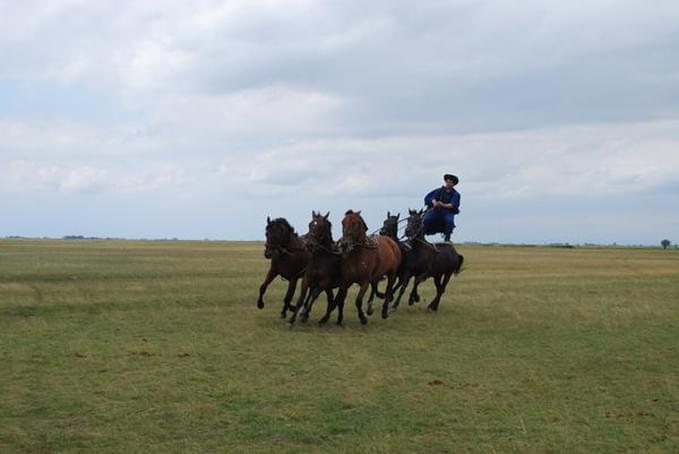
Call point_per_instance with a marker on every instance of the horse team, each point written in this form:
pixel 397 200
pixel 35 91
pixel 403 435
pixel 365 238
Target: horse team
pixel 324 265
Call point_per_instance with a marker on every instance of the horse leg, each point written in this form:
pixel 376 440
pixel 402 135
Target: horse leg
pixel 301 304
pixel 339 302
pixel 400 275
pixel 306 310
pixel 435 302
pixel 292 285
pixel 373 292
pixel 405 281
pixel 378 294
pixel 270 276
pixel 444 284
pixel 359 302
pixel 328 309
pixel 302 300
pixel 398 284
pixel 414 297
pixel 332 303
pixel 389 294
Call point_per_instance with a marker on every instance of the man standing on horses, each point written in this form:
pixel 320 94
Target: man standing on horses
pixel 443 204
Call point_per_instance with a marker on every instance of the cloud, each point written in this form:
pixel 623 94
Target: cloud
pixel 597 160
pixel 466 66
pixel 339 102
pixel 608 159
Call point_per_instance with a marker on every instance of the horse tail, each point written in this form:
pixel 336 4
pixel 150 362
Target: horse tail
pixel 458 268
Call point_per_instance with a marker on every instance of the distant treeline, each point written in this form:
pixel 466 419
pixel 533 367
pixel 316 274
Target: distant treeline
pixel 468 243
pixel 81 237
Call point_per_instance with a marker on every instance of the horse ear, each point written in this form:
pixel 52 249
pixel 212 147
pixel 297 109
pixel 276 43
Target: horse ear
pixel 326 215
pixel 398 215
pixel 358 212
pixel 268 220
pixel 388 214
pixel 411 212
pixel 421 211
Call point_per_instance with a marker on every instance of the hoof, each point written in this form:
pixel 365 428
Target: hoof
pixel 393 309
pixel 260 304
pixel 369 311
pixel 304 319
pixel 385 315
pixel 340 324
pixel 283 315
pixel 431 310
pixel 323 321
pixel 364 321
pixel 291 325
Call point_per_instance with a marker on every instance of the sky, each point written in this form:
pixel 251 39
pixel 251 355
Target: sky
pixel 199 119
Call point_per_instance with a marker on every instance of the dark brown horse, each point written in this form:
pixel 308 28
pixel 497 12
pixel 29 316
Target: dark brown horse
pixel 426 260
pixel 288 259
pixel 365 261
pixel 323 269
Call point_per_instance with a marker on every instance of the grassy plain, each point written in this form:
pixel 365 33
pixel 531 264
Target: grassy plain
pixel 133 346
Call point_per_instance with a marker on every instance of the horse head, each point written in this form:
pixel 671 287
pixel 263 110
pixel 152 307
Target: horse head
pixel 353 230
pixel 279 232
pixel 320 231
pixel 414 229
pixel 390 226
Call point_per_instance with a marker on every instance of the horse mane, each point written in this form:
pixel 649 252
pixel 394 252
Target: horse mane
pixel 357 213
pixel 287 225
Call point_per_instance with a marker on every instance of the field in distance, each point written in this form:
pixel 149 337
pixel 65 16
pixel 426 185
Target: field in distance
pixel 157 346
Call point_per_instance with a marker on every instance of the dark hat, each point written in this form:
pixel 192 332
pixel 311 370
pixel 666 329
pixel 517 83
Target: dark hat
pixel 452 178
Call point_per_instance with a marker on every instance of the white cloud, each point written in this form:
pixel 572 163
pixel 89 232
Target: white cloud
pixel 597 160
pixel 339 101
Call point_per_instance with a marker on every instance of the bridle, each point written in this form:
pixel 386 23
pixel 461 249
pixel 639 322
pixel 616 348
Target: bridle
pixel 313 244
pixel 381 230
pixel 418 236
pixel 282 248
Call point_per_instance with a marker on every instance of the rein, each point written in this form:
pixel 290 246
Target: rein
pixel 324 248
pixel 427 244
pixel 283 249
pixel 380 229
pixel 419 236
pixel 366 244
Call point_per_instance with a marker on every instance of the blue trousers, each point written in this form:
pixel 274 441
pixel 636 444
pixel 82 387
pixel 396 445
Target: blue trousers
pixel 439 221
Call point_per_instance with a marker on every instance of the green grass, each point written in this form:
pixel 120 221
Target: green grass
pixel 131 346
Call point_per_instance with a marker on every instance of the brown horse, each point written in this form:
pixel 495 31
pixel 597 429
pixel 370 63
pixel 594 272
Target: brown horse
pixel 365 261
pixel 323 269
pixel 288 259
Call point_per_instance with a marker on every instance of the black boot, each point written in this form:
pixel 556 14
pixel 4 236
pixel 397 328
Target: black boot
pixel 447 238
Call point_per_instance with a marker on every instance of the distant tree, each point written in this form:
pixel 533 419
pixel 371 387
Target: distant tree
pixel 665 244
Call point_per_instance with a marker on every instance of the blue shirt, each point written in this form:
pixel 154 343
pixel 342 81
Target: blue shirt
pixel 446 196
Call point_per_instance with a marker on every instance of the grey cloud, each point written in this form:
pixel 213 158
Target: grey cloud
pixel 344 103
pixel 440 67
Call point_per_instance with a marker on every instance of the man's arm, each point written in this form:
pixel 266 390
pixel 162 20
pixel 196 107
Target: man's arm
pixel 454 203
pixel 430 198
